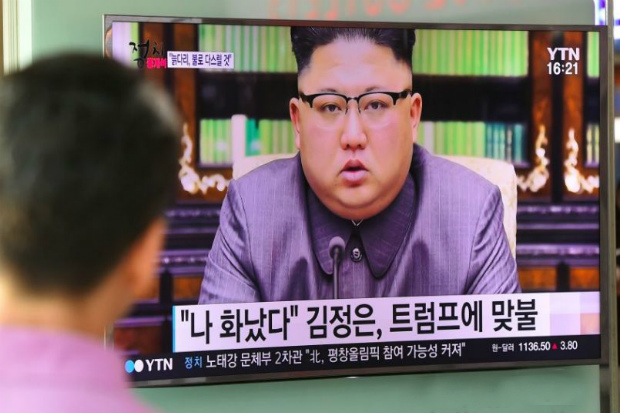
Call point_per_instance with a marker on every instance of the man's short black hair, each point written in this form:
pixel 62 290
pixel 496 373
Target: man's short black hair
pixel 88 160
pixel 306 40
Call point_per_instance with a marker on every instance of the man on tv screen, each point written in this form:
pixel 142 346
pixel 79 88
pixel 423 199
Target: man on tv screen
pixel 411 224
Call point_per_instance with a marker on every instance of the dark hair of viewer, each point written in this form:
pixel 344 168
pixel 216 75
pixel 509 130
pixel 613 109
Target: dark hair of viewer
pixel 88 160
pixel 306 40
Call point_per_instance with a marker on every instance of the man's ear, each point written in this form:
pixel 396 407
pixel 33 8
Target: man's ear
pixel 140 263
pixel 415 113
pixel 294 107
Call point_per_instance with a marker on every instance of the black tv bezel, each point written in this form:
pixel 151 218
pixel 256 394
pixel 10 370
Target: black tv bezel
pixel 606 245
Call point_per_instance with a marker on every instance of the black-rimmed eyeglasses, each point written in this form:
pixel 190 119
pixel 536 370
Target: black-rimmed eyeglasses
pixel 374 107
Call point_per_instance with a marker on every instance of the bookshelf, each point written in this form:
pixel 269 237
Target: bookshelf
pixel 493 97
pixel 266 68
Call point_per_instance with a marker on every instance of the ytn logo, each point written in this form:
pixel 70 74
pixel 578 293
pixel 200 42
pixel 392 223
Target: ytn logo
pixel 564 53
pixel 151 365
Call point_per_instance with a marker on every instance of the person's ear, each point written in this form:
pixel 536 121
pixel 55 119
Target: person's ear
pixel 293 108
pixel 140 263
pixel 415 113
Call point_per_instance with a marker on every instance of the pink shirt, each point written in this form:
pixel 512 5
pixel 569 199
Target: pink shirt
pixel 50 371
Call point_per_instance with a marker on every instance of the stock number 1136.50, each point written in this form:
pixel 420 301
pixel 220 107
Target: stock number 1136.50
pixel 535 346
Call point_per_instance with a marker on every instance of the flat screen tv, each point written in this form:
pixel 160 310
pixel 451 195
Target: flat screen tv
pixel 374 198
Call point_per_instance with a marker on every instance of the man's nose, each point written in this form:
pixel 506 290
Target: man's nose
pixel 353 135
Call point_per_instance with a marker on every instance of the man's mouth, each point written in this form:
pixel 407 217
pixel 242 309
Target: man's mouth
pixel 354 172
pixel 354 165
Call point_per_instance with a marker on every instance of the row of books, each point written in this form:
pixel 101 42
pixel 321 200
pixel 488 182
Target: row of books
pixel 268 136
pixel 255 48
pixel 439 52
pixel 215 141
pixel 471 53
pixel 262 137
pixel 505 141
pixel 593 55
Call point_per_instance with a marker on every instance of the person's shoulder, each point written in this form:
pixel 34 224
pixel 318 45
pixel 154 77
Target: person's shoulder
pixel 278 169
pixel 453 176
pixel 273 179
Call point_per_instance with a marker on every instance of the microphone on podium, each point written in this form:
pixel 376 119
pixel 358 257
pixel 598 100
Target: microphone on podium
pixel 336 248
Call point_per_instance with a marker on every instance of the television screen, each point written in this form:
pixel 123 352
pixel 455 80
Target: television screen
pixel 370 198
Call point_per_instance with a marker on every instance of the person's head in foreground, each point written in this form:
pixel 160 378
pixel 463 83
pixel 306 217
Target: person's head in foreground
pixel 88 163
pixel 356 117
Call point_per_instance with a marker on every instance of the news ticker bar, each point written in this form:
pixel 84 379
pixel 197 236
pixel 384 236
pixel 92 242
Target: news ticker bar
pixel 240 362
pixel 385 320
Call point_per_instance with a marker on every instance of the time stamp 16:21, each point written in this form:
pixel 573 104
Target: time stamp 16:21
pixel 564 60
